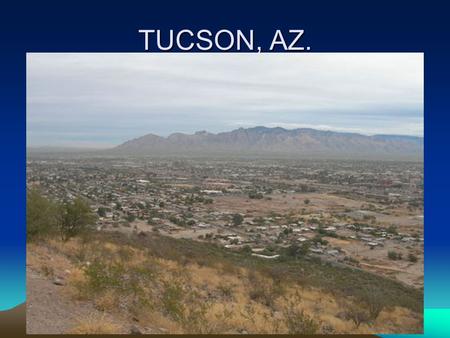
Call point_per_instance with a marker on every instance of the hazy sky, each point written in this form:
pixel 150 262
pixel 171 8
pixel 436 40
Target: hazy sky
pixel 99 100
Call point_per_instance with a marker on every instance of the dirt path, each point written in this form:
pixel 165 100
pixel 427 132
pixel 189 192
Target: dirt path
pixel 50 311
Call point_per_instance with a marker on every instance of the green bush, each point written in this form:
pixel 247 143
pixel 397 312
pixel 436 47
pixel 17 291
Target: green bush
pixel 255 195
pixel 101 211
pixel 237 219
pixel 102 276
pixel 41 215
pixel 393 255
pixel 130 218
pixel 392 229
pixel 172 301
pixel 412 258
pixel 295 250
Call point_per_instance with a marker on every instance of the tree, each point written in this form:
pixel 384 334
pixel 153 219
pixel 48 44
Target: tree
pixel 101 211
pixel 247 249
pixel 41 215
pixel 237 219
pixel 292 250
pixel 288 231
pixel 130 218
pixel 296 250
pixel 74 218
pixel 392 229
pixel 255 195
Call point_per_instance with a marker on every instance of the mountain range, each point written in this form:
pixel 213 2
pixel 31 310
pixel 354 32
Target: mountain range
pixel 276 142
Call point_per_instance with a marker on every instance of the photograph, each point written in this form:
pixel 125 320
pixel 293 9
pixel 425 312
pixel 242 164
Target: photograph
pixel 225 193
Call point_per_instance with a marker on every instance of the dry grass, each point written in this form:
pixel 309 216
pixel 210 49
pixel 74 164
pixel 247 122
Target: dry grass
pixel 185 297
pixel 94 325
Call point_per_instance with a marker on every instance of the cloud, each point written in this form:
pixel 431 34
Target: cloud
pixel 115 97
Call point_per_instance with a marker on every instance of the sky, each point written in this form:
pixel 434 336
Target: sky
pixel 99 100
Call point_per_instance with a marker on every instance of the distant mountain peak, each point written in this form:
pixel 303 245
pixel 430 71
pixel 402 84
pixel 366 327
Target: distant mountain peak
pixel 276 142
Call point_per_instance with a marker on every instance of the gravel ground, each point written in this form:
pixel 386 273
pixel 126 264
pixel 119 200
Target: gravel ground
pixel 49 311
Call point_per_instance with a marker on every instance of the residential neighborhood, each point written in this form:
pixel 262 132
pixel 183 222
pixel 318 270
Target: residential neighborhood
pixel 356 213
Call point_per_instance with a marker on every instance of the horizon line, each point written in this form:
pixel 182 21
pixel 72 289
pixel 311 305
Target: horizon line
pixel 99 146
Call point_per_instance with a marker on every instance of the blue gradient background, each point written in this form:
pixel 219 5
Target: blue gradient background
pixel 346 26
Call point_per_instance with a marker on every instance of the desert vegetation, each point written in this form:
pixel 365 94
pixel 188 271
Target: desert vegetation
pixel 168 285
pixel 49 218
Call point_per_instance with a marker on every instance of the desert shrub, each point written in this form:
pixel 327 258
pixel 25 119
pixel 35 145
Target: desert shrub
pixel 392 229
pixel 358 314
pixel 263 294
pixel 237 219
pixel 109 277
pixel 365 306
pixel 264 291
pixel 94 325
pixel 225 290
pixel 247 249
pixel 178 221
pixel 412 258
pixel 227 267
pixel 47 270
pixel 130 218
pixel 125 253
pixel 208 201
pixel 102 276
pixel 41 215
pixel 393 255
pixel 172 300
pixel 255 195
pixel 318 239
pixel 351 260
pixel 185 307
pixel 101 211
pixel 296 320
pixel 340 281
pixel 194 318
pixel 295 250
pixel 372 300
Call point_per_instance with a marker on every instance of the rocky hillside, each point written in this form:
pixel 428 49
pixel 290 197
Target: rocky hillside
pixel 107 283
